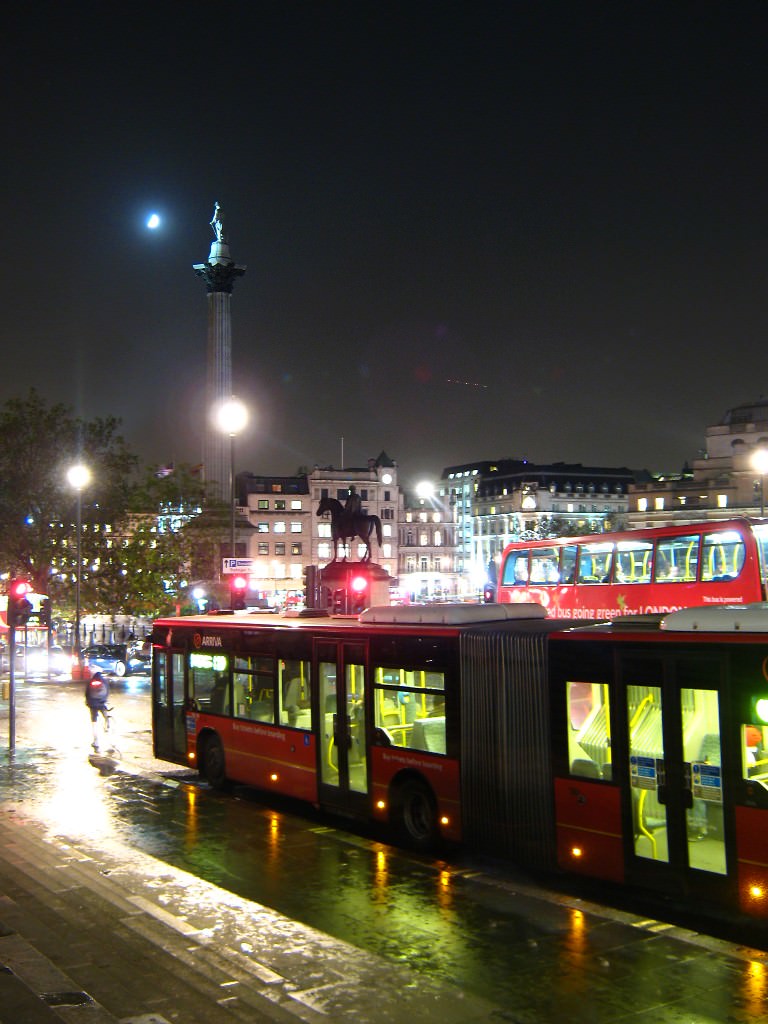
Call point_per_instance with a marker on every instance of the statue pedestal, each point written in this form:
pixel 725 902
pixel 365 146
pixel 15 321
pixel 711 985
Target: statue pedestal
pixel 341 576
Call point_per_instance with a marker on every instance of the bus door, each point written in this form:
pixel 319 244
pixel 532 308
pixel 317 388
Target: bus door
pixel 168 706
pixel 342 745
pixel 669 716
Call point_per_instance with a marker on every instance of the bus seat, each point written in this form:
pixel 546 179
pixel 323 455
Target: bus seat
pixel 585 767
pixel 219 702
pixel 710 749
pixel 429 734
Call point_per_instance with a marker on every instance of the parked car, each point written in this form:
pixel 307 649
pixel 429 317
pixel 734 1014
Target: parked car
pixel 116 659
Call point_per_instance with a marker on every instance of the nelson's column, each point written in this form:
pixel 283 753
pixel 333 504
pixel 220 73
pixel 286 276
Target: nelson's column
pixel 219 274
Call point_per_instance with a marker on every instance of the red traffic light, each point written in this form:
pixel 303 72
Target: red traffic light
pixel 358 584
pixel 238 587
pixel 19 608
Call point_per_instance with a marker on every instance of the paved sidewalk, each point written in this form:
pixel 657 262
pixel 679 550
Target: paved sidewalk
pixel 86 936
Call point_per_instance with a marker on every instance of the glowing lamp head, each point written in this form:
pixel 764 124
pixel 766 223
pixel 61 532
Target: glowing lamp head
pixel 153 221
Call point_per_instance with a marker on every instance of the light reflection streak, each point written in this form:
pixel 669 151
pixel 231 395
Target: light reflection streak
pixel 755 988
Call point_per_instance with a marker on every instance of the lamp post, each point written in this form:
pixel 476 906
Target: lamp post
pixel 760 465
pixel 79 476
pixel 231 417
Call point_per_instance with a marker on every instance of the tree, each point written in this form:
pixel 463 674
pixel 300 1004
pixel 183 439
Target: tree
pixel 37 505
pixel 159 546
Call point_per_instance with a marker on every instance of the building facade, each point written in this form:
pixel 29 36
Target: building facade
pixel 288 535
pixel 497 502
pixel 727 479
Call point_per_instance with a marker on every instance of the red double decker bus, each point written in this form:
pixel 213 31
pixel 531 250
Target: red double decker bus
pixel 619 751
pixel 647 571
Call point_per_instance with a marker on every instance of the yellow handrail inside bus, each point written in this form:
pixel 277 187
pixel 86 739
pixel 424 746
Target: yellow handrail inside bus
pixel 648 699
pixel 641 825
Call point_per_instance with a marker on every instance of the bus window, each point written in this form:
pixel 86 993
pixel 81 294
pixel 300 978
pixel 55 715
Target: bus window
pixel 409 708
pixel 595 562
pixel 545 565
pixel 568 564
pixel 677 559
pixel 754 753
pixel 515 569
pixel 634 561
pixel 722 556
pixel 761 536
pixel 209 686
pixel 295 694
pixel 255 688
pixel 589 736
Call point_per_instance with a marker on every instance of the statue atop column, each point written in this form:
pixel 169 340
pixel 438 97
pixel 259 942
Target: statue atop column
pixel 217 223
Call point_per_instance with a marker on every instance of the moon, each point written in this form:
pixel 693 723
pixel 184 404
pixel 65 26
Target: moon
pixel 153 221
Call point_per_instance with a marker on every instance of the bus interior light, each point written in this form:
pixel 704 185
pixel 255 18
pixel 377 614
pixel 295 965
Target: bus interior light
pixel 756 891
pixel 576 852
pixel 191 756
pixel 381 804
pixel 445 820
pixel 273 777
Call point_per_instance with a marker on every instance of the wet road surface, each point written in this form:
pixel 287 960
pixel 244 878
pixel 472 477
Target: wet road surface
pixel 492 935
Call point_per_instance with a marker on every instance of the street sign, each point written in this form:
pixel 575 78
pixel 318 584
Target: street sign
pixel 230 565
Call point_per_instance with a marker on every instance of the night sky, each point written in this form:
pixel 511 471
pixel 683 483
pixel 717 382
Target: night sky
pixel 472 230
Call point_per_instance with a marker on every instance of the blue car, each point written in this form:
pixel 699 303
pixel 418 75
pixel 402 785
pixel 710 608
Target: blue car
pixel 115 659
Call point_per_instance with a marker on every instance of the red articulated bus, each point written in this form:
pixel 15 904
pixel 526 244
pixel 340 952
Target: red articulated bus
pixel 648 571
pixel 621 751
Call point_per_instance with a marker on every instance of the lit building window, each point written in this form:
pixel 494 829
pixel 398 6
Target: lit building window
pixel 323 550
pixel 438 538
pixel 642 504
pixel 423 539
pixel 436 517
pixel 324 530
pixel 387 550
pixel 280 526
pixel 296 505
pixel 658 503
pixel 722 501
pixel 262 527
pixel 295 527
pixel 386 530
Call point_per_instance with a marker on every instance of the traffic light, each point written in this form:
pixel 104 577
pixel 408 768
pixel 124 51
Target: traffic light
pixel 358 594
pixel 45 612
pixel 19 607
pixel 238 587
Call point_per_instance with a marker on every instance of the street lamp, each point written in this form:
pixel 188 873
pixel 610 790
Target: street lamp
pixel 760 465
pixel 79 476
pixel 231 417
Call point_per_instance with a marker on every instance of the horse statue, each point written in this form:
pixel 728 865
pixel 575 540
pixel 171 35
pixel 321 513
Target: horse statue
pixel 346 527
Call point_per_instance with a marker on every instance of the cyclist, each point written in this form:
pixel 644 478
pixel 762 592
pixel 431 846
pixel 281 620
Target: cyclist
pixel 97 699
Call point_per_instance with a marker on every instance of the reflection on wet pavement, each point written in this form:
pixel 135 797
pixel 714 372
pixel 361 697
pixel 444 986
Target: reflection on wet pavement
pixel 493 937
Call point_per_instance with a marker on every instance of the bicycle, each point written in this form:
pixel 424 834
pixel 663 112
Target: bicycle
pixel 109 736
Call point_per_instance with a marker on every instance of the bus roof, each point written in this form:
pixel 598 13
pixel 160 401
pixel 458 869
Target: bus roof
pixel 451 614
pixel 738 523
pixel 724 618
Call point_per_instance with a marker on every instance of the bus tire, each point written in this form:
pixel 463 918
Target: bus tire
pixel 416 815
pixel 214 763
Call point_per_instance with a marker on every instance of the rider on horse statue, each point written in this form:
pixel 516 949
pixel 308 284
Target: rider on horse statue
pixel 353 506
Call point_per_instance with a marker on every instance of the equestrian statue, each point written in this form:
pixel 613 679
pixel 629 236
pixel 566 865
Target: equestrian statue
pixel 348 523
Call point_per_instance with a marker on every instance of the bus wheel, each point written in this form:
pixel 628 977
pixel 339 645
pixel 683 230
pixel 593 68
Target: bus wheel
pixel 416 815
pixel 214 765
